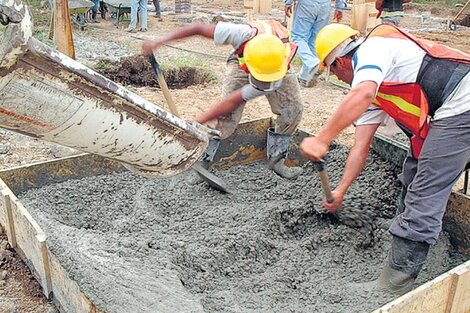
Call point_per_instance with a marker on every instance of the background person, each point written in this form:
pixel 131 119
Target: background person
pixel 140 7
pixel 309 17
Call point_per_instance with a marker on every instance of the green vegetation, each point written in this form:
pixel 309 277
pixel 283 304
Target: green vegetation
pixel 104 64
pixel 440 3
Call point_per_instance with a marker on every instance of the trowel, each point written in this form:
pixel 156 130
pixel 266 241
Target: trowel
pixel 212 180
pixel 324 180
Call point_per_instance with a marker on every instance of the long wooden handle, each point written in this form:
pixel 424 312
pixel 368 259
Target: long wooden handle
pixel 325 184
pixel 325 181
pixel 163 85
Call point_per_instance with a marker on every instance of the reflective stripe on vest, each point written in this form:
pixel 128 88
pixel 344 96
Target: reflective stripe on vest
pixel 407 102
pixel 272 27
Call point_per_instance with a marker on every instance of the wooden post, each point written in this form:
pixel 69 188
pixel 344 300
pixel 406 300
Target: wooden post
pixel 10 223
pixel 265 6
pixel 63 29
pixel 363 15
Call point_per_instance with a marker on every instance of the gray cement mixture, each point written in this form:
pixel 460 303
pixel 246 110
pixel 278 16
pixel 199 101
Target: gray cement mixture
pixel 159 245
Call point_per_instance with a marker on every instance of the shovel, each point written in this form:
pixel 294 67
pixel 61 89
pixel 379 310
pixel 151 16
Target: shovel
pixel 210 178
pixel 325 182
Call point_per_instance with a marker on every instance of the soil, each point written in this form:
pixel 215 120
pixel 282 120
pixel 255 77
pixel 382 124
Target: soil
pixel 104 40
pixel 136 71
pixel 183 248
pixel 19 290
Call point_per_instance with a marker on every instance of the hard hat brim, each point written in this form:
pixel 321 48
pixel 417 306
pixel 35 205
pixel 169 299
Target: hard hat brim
pixel 269 77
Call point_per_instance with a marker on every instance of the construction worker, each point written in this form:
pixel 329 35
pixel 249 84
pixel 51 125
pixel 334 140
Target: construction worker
pixel 258 65
pixel 390 11
pixel 425 87
pixel 309 17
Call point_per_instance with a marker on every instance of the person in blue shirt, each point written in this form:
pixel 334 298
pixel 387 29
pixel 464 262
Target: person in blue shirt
pixel 309 17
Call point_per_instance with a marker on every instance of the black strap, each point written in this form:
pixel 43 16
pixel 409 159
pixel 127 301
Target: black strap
pixel 438 78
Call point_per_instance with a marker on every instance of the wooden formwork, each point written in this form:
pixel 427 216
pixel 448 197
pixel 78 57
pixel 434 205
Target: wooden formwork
pixel 447 293
pixel 364 15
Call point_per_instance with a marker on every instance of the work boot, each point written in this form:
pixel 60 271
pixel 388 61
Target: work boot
pixel 278 144
pixel 131 29
pixel 205 160
pixel 405 260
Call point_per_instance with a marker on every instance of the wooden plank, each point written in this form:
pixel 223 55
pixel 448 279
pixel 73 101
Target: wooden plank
pixel 431 297
pixel 67 294
pixel 30 240
pixel 45 260
pixel 63 29
pixel 364 16
pixel 265 6
pixel 9 223
pixel 461 300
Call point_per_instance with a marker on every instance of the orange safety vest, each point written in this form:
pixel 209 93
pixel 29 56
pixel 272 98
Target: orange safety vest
pixel 273 27
pixel 408 103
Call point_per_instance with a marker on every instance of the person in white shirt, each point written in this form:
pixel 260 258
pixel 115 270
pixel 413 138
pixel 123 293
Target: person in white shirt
pixel 259 65
pixel 425 87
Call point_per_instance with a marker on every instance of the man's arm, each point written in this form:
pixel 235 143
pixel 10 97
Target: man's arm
pixel 288 7
pixel 353 105
pixel 354 164
pixel 378 4
pixel 225 106
pixel 205 30
pixel 340 5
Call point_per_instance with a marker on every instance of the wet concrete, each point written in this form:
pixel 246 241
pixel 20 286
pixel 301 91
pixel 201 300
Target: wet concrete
pixel 141 245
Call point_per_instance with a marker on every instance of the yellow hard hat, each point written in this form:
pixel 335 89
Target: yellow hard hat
pixel 330 37
pixel 266 57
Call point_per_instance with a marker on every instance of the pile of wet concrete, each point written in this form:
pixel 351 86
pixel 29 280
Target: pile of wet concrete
pixel 142 245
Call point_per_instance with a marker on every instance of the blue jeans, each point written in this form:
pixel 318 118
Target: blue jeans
pixel 309 17
pixel 141 6
pixel 94 8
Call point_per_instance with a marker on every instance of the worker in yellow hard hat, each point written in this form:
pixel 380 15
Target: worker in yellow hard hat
pixel 258 66
pixel 425 88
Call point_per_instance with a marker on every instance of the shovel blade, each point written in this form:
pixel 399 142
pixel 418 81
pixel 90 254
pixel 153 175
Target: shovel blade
pixel 212 180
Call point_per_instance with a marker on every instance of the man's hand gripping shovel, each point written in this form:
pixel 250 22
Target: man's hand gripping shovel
pixel 212 180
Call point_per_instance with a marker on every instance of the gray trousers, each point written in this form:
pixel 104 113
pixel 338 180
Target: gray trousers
pixel 285 102
pixel 429 179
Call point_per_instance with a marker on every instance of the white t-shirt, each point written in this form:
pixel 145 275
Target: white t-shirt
pixel 396 60
pixel 236 35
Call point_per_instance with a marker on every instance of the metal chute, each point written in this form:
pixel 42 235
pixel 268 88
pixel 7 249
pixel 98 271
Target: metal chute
pixel 47 95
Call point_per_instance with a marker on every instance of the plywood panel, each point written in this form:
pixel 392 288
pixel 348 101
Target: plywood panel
pixel 431 297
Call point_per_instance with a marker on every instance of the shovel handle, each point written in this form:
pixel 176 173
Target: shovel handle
pixel 324 180
pixel 163 85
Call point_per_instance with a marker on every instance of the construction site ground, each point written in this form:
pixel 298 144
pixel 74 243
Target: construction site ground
pixel 99 45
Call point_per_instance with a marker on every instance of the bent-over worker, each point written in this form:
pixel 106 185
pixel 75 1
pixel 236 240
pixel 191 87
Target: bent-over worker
pixel 257 66
pixel 425 87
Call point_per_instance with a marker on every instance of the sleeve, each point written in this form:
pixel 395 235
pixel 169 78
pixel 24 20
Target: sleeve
pixel 288 2
pixel 340 5
pixel 372 61
pixel 373 115
pixel 232 34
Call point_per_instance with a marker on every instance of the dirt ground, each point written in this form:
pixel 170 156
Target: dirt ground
pixel 18 291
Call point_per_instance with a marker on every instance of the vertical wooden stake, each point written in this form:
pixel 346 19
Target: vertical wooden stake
pixel 47 285
pixel 10 227
pixel 63 29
